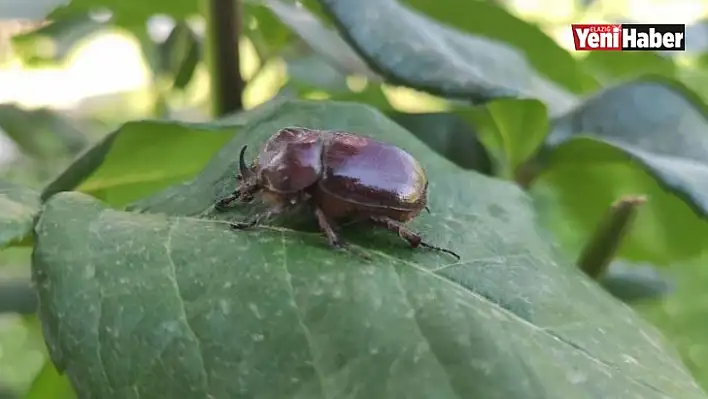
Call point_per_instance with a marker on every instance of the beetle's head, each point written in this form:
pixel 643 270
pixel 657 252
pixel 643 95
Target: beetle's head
pixel 249 184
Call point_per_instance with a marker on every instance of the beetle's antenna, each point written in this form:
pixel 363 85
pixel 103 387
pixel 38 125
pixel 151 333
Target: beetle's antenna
pixel 427 209
pixel 447 251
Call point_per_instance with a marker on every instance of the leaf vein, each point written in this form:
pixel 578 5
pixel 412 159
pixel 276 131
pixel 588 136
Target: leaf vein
pixel 296 309
pixel 480 260
pixel 172 276
pixel 404 292
pixel 521 320
pixel 99 347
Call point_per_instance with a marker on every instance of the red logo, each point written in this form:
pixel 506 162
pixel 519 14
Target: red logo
pixel 629 37
pixel 597 37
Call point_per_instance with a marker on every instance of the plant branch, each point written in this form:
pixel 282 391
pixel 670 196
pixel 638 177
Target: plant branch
pixel 224 20
pixel 607 238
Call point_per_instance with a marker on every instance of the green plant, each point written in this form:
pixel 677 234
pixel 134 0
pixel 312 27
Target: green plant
pixel 144 291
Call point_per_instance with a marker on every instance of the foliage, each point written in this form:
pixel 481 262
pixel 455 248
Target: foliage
pixel 145 148
pixel 526 150
pixel 226 304
pixel 19 207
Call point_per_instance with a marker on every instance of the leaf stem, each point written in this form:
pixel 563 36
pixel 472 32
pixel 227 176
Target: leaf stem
pixel 221 52
pixel 607 238
pixel 525 174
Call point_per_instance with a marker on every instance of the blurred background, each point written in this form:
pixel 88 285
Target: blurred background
pixel 67 82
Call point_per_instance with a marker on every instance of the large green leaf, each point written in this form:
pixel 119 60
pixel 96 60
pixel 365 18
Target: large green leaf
pixel 151 305
pixel 314 71
pixel 19 206
pixel 41 132
pixel 320 38
pixel 648 136
pixel 140 158
pixel 490 19
pixel 410 49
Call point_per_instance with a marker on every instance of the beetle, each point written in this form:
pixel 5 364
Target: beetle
pixel 339 175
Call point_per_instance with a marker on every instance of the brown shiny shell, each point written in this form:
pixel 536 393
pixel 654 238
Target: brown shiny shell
pixel 291 160
pixel 371 173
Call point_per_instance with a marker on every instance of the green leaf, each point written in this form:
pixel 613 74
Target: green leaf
pixel 162 306
pixel 140 158
pixel 313 70
pixel 51 43
pixel 19 206
pixel 321 39
pixel 682 315
pixel 49 384
pixel 268 35
pixel 643 137
pixel 41 132
pixel 371 95
pixel 633 283
pixel 489 19
pixel 696 78
pixel 449 135
pixel 410 49
pixel 312 77
pixel 132 15
pixel 612 66
pixel 512 130
pixel 179 55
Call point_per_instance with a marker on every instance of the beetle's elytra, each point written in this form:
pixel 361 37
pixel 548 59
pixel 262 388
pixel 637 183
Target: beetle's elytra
pixel 338 175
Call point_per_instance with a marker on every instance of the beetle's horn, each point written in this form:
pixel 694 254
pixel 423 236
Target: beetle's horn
pixel 245 171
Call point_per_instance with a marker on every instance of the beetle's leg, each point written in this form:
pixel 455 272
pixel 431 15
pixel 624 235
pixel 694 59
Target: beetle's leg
pixel 407 234
pixel 260 217
pixel 255 220
pixel 225 202
pixel 286 204
pixel 328 228
pixel 243 194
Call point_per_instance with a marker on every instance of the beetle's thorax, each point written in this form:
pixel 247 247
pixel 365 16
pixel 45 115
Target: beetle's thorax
pixel 291 160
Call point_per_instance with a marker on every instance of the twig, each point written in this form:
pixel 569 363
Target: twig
pixel 607 238
pixel 224 20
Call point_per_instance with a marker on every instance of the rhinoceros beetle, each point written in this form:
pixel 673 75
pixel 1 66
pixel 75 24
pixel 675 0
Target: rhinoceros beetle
pixel 339 175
